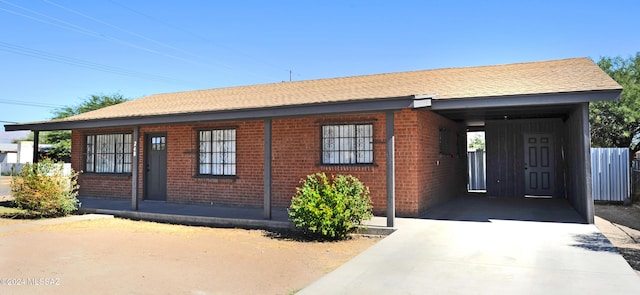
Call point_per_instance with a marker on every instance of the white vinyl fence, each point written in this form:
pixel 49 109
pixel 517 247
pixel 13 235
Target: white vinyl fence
pixel 611 174
pixel 13 169
pixel 477 170
pixel 7 169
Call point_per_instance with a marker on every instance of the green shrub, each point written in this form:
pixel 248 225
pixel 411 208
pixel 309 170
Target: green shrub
pixel 43 189
pixel 330 208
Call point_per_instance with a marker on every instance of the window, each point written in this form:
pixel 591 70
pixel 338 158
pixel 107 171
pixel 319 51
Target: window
pixel 108 153
pixel 217 152
pixel 158 143
pixel 445 141
pixel 347 144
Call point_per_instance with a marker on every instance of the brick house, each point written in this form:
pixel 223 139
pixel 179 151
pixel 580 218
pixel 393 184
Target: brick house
pixel 403 134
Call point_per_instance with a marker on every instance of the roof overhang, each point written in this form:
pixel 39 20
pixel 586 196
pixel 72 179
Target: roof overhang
pixel 528 100
pixel 444 106
pixel 355 106
pixel 475 111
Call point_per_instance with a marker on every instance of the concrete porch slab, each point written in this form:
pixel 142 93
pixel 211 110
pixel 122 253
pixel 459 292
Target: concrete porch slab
pixel 204 215
pixel 188 214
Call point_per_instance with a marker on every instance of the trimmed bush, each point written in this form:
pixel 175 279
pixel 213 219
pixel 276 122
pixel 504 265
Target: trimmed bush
pixel 44 189
pixel 330 207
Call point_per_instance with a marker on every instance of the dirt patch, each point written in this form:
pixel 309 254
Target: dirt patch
pixel 628 216
pixel 9 221
pixel 621 225
pixel 10 214
pixel 120 256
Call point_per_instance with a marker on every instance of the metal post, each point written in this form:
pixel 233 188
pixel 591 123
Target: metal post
pixel 267 168
pixel 36 147
pixel 391 172
pixel 134 168
pixel 583 113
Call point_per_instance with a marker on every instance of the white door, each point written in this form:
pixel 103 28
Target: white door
pixel 539 168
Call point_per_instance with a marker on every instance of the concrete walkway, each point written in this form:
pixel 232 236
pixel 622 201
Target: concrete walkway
pixel 481 247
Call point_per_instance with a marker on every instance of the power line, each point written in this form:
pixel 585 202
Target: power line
pixel 119 28
pixel 53 21
pixel 82 63
pixel 30 104
pixel 72 27
pixel 199 36
pixel 69 26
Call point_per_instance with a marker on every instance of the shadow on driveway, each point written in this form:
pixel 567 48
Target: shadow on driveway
pixel 632 256
pixel 594 242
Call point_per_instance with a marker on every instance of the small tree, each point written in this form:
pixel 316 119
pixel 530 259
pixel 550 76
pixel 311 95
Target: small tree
pixel 61 140
pixel 476 142
pixel 617 123
pixel 44 189
pixel 330 207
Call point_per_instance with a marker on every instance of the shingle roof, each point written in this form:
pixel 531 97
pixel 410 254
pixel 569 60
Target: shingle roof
pixel 556 76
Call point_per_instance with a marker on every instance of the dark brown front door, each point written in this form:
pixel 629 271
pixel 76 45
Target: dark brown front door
pixel 539 168
pixel 155 180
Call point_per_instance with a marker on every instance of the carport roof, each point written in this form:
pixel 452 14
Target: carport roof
pixel 357 93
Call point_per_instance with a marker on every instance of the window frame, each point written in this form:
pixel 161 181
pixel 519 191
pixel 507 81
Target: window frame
pixel 444 141
pixel 125 154
pixel 233 164
pixel 357 159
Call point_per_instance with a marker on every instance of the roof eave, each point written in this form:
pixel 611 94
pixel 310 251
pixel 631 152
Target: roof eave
pixel 355 106
pixel 525 100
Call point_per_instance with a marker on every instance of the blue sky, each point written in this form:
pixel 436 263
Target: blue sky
pixel 55 53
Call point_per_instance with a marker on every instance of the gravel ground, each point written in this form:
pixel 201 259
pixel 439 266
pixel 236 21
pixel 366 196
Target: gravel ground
pixel 116 256
pixel 621 225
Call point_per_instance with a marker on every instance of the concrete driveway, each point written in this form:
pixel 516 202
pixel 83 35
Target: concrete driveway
pixel 488 246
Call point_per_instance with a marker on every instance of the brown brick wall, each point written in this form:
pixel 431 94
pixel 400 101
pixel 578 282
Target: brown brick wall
pixel 406 150
pixel 424 176
pixel 96 185
pixel 442 176
pixel 183 184
pixel 296 153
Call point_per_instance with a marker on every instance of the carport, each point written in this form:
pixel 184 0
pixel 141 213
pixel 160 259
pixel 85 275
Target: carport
pixel 537 145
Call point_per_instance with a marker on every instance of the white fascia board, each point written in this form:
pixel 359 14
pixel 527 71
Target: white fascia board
pixel 525 100
pixel 422 100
